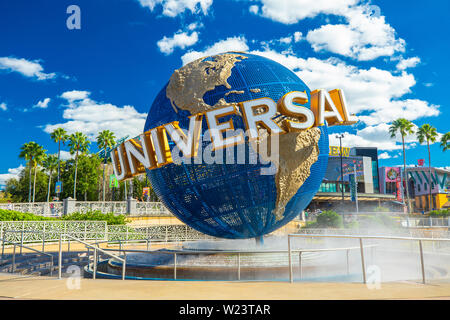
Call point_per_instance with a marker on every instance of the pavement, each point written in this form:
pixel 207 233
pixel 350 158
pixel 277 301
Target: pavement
pixel 25 287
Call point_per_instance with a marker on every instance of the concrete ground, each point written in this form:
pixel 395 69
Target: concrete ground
pixel 23 287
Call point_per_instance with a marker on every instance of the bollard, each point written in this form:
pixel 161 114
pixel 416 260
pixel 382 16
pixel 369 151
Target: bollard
pixel 14 259
pixel 124 265
pixel 95 264
pixel 348 265
pixel 362 260
pixel 175 266
pixel 3 246
pixel 60 257
pixel 239 265
pixel 421 261
pixel 21 242
pixel 291 278
pixel 300 264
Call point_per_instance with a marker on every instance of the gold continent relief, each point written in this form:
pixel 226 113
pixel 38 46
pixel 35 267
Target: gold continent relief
pixel 298 151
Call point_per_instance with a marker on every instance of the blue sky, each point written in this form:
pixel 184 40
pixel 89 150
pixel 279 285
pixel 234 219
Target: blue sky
pixel 389 57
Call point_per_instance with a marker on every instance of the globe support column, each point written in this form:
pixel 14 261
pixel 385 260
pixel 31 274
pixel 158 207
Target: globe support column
pixel 259 240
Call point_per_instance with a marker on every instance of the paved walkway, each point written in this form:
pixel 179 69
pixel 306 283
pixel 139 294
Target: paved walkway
pixel 23 287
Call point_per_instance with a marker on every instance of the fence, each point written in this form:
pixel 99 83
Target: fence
pixel 55 209
pixel 47 209
pixel 361 246
pixel 49 231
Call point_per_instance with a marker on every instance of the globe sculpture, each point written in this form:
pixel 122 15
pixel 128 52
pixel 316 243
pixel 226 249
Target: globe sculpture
pixel 236 200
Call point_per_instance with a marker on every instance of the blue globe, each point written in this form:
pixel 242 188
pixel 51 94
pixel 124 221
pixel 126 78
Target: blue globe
pixel 233 201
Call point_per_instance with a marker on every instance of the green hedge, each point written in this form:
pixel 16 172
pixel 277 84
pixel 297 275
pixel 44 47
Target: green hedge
pixel 11 215
pixel 95 215
pixel 327 219
pixel 442 213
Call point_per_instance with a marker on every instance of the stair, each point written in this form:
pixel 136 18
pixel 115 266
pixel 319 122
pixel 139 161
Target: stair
pixel 37 264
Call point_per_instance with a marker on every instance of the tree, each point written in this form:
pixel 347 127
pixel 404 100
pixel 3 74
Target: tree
pixel 27 154
pixel 59 135
pixel 89 168
pixel 78 143
pixel 51 163
pixel 445 141
pixel 105 141
pixel 38 158
pixel 18 187
pixel 429 134
pixel 404 127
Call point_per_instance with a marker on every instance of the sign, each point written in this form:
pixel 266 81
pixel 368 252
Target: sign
pixel 335 152
pixel 352 187
pixel 113 182
pixel 152 149
pixel 58 187
pixel 145 192
pixel 398 184
pixel 421 162
pixel 392 174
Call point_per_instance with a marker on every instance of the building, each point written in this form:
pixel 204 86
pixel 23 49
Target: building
pixel 363 161
pixel 372 153
pixel 419 178
pixel 418 186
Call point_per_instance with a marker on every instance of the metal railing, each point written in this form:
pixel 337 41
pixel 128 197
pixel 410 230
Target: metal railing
pixel 361 247
pixel 237 253
pixel 96 250
pixel 21 245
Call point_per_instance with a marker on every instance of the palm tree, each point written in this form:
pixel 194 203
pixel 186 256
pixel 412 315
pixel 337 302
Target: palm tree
pixel 39 157
pixel 78 142
pixel 445 141
pixel 27 154
pixel 404 127
pixel 105 141
pixel 50 163
pixel 59 135
pixel 429 134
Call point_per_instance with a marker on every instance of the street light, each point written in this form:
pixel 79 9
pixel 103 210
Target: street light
pixel 340 136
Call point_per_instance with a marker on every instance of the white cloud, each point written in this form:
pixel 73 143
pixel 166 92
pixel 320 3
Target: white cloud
pixel 65 155
pixel 292 11
pixel 408 63
pixel 75 95
pixel 374 91
pixel 179 39
pixel 3 106
pixel 42 104
pixel 195 26
pixel 384 155
pixel 30 69
pixel 229 44
pixel 172 8
pixel 91 117
pixel 285 40
pixel 12 173
pixel 298 36
pixel 365 37
pixel 253 9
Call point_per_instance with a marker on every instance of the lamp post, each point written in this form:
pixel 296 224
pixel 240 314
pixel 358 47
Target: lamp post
pixel 340 136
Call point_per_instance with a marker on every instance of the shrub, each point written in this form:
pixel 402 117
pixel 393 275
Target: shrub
pixel 11 215
pixel 380 220
pixel 96 215
pixel 441 213
pixel 329 219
